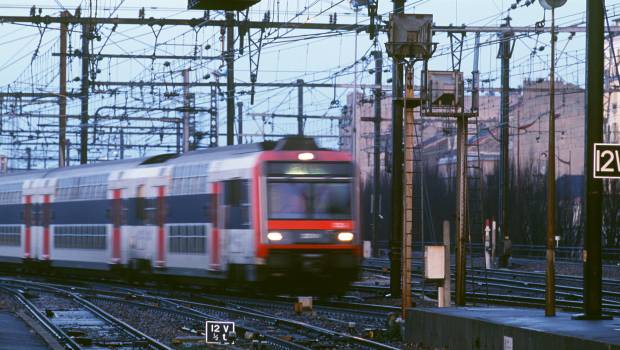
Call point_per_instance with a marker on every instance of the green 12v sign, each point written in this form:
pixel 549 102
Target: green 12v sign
pixel 606 161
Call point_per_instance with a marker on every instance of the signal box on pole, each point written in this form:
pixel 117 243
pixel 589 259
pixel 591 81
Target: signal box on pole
pixel 227 5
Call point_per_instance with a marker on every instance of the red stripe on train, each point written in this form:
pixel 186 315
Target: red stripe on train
pixel 309 225
pixel 161 262
pixel 356 248
pixel 27 223
pixel 46 227
pixel 116 231
pixel 215 237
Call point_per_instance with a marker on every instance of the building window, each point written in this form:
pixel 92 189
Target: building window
pixel 80 237
pixel 10 235
pixel 189 179
pixel 187 239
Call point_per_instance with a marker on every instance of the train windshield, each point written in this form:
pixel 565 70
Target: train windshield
pixel 316 199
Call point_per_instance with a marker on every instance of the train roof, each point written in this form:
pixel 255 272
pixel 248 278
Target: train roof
pixel 21 176
pixel 219 153
pixel 94 168
pixel 286 144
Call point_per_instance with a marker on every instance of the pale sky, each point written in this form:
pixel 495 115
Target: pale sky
pixel 286 56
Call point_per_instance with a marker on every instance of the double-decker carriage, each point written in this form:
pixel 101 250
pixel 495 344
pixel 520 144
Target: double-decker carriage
pixel 268 212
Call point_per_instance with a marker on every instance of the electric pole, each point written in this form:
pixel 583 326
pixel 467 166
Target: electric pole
pixel 300 107
pixel 376 196
pixel 397 169
pixel 505 53
pixel 62 97
pixel 239 122
pixel 84 92
pixel 550 273
pixel 230 77
pixel 592 268
pixel 461 215
pixel 186 107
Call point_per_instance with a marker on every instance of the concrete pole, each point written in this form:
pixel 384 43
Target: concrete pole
pixel 68 153
pixel 178 125
pixel 376 198
pixel 592 267
pixel 28 158
pixel 407 195
pixel 550 273
pixel 84 93
pixel 505 55
pixel 447 285
pixel 62 98
pixel 300 107
pixel 186 107
pixel 239 122
pixel 461 215
pixel 230 78
pixel 397 169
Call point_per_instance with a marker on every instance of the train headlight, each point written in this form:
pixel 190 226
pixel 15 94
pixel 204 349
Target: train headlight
pixel 305 156
pixel 274 236
pixel 345 236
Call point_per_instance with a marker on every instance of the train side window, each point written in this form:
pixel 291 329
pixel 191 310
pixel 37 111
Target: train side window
pixel 11 193
pixel 237 204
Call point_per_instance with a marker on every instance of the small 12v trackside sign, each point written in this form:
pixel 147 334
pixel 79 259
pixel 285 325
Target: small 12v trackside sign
pixel 218 332
pixel 606 161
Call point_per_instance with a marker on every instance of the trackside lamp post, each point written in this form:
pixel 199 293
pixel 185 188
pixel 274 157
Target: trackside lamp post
pixel 550 275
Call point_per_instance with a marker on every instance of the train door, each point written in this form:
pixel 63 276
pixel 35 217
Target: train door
pixel 38 198
pixel 30 217
pixel 142 215
pixel 142 235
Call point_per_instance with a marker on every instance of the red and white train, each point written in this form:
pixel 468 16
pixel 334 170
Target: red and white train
pixel 268 212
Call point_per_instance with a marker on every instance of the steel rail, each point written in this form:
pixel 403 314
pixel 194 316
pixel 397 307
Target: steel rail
pixel 292 323
pixel 58 333
pixel 105 316
pixel 569 292
pixel 113 297
pixel 153 343
pixel 118 297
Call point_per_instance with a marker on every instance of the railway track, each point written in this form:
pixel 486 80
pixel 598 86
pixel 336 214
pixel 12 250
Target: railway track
pixel 256 321
pixel 508 287
pixel 75 322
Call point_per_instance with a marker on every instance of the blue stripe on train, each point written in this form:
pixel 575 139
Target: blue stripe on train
pixel 189 208
pixel 179 209
pixel 11 214
pixel 81 212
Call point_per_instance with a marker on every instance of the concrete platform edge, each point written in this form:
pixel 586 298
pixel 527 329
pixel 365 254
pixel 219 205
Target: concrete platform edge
pixel 438 330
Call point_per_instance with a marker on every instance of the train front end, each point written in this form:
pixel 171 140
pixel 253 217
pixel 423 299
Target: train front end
pixel 308 237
